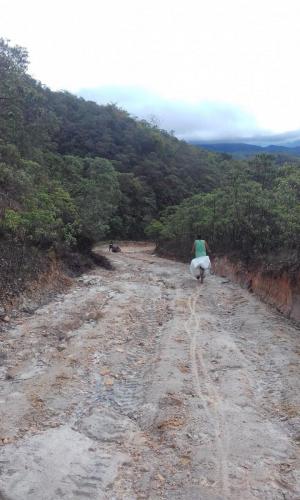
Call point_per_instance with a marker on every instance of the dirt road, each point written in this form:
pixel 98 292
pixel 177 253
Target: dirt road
pixel 142 383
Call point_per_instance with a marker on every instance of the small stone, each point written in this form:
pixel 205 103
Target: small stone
pixel 6 319
pixel 61 347
pixel 105 371
pixel 28 309
pixel 109 382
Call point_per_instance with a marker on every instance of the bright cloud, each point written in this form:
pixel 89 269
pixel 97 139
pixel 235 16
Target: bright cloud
pixel 242 54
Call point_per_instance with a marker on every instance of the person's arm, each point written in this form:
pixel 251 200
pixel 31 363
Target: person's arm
pixel 207 247
pixel 193 248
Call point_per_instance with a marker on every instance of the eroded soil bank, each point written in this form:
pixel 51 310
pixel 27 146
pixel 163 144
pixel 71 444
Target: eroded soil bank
pixel 280 288
pixel 142 383
pixel 30 277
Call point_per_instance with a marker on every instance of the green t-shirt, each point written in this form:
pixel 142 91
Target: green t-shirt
pixel 200 250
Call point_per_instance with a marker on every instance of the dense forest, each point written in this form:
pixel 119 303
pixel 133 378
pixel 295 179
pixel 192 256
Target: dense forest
pixel 73 172
pixel 255 214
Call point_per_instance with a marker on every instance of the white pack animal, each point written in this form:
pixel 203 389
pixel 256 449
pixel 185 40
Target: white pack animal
pixel 199 265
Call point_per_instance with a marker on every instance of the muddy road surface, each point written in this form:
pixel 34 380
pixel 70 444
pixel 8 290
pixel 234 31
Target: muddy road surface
pixel 143 383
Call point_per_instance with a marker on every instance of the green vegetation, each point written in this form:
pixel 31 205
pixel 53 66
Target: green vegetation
pixel 73 172
pixel 256 212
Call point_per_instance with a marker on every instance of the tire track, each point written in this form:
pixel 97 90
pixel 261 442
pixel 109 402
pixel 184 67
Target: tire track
pixel 213 402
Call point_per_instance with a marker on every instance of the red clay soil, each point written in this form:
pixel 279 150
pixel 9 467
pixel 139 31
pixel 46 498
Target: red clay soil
pixel 278 288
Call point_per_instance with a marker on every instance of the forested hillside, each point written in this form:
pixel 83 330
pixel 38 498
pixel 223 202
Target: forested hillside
pixel 73 172
pixel 72 169
pixel 243 150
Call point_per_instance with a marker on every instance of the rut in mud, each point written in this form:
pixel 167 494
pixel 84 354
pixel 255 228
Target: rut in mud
pixel 142 383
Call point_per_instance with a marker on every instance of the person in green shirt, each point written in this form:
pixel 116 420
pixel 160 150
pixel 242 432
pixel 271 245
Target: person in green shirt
pixel 200 248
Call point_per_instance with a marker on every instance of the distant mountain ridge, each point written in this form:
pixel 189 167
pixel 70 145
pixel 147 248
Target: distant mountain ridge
pixel 243 149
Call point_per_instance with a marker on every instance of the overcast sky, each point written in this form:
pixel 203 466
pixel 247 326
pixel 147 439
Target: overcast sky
pixel 213 69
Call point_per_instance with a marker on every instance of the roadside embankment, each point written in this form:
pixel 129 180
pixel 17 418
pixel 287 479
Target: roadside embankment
pixel 29 277
pixel 279 287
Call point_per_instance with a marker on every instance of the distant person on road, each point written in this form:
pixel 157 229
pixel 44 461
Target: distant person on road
pixel 200 249
pixel 114 248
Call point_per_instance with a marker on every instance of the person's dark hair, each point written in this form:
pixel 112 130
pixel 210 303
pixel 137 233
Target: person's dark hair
pixel 199 237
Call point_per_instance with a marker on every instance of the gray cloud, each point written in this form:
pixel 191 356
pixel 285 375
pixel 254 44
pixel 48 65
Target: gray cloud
pixel 205 121
pixel 290 139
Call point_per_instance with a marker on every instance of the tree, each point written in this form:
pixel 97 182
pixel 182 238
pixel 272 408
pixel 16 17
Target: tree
pixel 96 198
